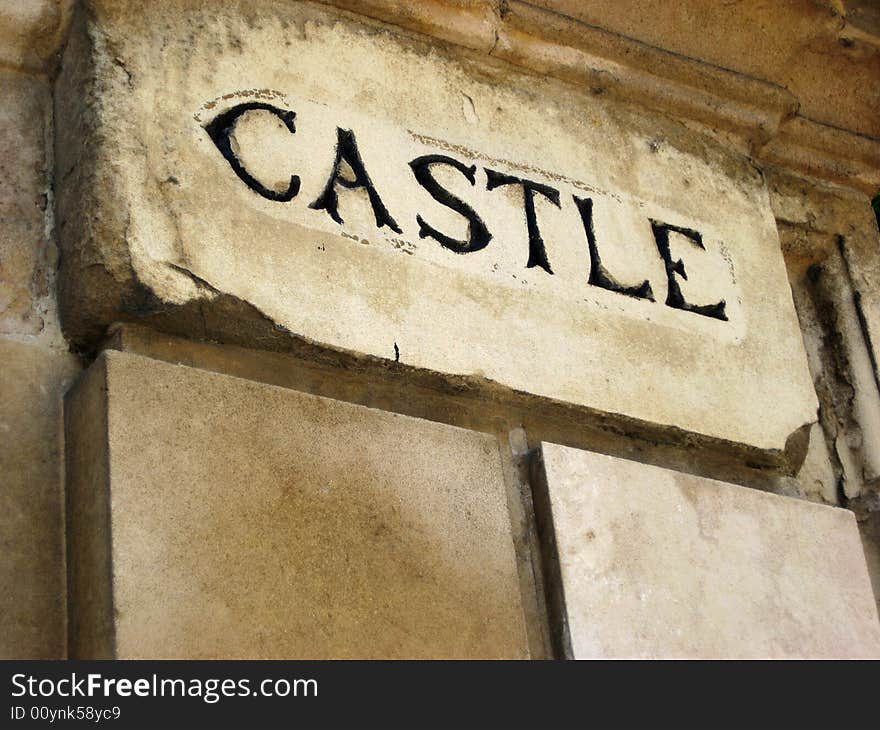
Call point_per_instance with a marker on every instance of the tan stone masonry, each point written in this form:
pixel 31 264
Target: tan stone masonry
pixel 339 274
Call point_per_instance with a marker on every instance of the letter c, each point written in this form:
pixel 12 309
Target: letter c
pixel 220 130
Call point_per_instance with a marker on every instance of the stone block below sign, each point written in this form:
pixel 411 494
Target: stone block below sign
pixel 215 517
pixel 31 502
pixel 655 563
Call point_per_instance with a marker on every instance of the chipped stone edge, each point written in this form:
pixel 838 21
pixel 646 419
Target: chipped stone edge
pixel 92 261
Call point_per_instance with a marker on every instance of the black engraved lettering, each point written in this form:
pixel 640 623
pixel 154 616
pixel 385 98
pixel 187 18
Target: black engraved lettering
pixel 599 275
pixel 220 131
pixel 347 151
pixel 537 251
pixel 674 297
pixel 478 234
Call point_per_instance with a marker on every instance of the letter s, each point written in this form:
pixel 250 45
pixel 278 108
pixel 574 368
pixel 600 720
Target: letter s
pixel 478 234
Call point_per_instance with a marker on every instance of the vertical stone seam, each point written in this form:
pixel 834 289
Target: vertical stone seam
pixel 65 508
pixel 64 599
pixel 96 620
pixel 554 589
pixel 846 255
pixel 108 497
pixel 524 538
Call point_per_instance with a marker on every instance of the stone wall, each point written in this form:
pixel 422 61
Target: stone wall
pixel 38 364
pixel 451 329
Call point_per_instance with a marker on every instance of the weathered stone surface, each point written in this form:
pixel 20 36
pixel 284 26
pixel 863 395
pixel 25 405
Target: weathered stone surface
pixel 31 537
pixel 655 563
pixel 817 477
pixel 157 224
pixel 832 250
pixel 736 74
pixel 31 31
pixel 841 220
pixel 822 51
pixel 211 516
pixel 827 153
pixel 23 201
pixel 605 62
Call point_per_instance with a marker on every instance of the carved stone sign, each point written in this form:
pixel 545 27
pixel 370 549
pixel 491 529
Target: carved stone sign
pixel 439 172
pixel 300 175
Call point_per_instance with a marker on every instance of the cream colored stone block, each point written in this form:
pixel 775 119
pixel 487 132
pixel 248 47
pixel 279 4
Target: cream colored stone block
pixel 211 516
pixel 31 515
pixel 198 147
pixel 23 200
pixel 656 563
